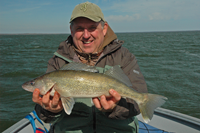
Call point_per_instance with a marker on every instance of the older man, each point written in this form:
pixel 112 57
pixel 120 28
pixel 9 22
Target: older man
pixel 92 42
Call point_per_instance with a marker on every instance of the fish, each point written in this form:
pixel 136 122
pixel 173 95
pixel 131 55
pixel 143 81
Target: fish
pixel 77 80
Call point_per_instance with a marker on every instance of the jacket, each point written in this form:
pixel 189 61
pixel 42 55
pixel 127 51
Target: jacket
pixel 85 117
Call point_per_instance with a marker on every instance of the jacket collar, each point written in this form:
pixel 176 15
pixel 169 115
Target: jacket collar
pixel 69 50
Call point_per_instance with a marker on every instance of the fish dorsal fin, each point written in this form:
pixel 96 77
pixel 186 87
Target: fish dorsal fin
pixel 117 73
pixel 68 104
pixel 79 67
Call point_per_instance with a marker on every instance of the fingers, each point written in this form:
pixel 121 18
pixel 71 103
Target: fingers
pixel 36 96
pixel 107 104
pixel 115 95
pixel 55 100
pixel 97 103
pixel 55 105
pixel 47 102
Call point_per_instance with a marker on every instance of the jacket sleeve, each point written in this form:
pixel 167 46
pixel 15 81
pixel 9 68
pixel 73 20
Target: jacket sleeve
pixel 55 63
pixel 126 107
pixel 47 116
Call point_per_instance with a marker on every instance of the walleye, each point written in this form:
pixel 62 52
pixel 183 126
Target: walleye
pixel 77 80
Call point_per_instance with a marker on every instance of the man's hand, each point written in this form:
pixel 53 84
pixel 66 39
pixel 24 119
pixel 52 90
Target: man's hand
pixel 107 104
pixel 47 102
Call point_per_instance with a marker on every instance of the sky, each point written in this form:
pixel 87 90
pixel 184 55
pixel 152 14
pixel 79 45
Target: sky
pixel 52 16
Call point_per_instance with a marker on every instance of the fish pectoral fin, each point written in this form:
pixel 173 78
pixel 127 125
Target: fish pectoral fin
pixel 52 92
pixel 68 104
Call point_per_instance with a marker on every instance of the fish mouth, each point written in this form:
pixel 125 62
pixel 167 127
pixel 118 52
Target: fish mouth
pixel 25 87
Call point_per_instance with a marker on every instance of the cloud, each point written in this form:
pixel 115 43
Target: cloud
pixel 155 9
pixel 12 7
pixel 122 17
pixel 26 9
pixel 159 16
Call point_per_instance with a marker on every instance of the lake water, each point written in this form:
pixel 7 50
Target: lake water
pixel 169 61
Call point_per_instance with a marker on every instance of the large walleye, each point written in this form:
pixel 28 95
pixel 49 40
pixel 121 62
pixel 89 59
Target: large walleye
pixel 77 80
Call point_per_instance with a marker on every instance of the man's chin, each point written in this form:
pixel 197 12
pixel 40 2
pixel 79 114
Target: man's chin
pixel 88 51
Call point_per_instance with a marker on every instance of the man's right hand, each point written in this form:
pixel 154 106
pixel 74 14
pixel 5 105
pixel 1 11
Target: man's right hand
pixel 53 105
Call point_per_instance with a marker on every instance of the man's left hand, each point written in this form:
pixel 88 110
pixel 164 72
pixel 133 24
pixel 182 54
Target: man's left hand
pixel 107 104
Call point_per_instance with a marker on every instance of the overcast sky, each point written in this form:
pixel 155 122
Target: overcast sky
pixel 52 16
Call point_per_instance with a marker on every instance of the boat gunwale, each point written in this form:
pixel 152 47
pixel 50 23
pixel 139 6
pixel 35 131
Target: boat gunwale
pixel 178 117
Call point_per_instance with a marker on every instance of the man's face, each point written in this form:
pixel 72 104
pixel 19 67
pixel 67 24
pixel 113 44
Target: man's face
pixel 87 34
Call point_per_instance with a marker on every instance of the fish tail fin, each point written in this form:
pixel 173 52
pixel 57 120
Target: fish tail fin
pixel 151 102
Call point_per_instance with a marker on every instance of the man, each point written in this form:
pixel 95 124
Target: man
pixel 92 42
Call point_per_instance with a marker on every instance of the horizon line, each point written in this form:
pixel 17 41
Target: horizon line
pixel 114 32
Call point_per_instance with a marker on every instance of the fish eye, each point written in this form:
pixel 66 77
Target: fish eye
pixel 32 82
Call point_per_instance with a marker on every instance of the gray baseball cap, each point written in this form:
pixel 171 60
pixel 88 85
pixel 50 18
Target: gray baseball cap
pixel 87 10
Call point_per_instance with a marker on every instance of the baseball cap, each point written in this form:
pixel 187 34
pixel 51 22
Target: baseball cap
pixel 87 10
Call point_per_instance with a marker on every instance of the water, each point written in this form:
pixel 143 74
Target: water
pixel 169 61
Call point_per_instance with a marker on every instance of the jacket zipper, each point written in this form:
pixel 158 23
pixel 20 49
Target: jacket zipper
pixel 94 119
pixel 89 58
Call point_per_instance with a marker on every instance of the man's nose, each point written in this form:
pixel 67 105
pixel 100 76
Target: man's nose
pixel 86 33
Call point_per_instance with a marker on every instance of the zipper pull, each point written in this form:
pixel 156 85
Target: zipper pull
pixel 89 58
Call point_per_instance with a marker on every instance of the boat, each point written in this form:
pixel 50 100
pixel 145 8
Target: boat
pixel 168 121
pixel 163 121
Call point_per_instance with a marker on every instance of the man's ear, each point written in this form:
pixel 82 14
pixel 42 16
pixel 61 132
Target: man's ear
pixel 71 31
pixel 105 28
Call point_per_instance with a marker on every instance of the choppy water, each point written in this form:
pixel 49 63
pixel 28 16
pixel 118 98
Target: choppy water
pixel 169 61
